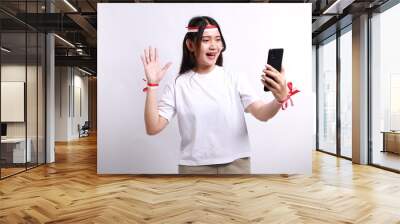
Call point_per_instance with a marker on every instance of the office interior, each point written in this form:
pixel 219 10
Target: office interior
pixel 48 80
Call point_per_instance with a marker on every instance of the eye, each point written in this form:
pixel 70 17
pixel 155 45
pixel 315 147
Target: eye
pixel 205 40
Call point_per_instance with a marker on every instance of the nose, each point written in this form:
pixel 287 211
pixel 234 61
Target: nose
pixel 213 44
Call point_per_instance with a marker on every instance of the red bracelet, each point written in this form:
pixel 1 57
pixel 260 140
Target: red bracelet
pixel 284 102
pixel 150 86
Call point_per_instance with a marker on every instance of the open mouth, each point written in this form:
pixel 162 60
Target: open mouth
pixel 211 55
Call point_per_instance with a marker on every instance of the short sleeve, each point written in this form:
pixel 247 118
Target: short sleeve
pixel 246 91
pixel 166 104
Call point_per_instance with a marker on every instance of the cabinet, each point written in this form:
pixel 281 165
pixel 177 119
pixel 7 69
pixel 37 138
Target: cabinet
pixel 391 141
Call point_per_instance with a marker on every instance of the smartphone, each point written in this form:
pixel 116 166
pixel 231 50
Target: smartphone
pixel 275 56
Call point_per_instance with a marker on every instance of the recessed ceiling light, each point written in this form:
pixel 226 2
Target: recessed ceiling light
pixel 84 71
pixel 5 50
pixel 64 40
pixel 337 7
pixel 70 5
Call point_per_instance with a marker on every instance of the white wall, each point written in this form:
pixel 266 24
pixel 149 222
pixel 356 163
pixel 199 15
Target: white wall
pixel 68 81
pixel 61 103
pixel 314 89
pixel 282 145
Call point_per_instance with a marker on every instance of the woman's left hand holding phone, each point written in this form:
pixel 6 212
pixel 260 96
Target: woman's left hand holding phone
pixel 276 82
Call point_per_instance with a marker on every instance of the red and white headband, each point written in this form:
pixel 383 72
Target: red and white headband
pixel 195 29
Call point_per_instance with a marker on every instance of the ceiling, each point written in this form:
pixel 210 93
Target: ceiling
pixel 76 22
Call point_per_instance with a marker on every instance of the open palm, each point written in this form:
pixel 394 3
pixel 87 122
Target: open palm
pixel 154 72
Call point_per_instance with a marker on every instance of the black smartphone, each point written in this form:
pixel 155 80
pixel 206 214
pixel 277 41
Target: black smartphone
pixel 275 56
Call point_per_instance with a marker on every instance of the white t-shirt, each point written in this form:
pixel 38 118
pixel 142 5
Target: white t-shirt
pixel 210 110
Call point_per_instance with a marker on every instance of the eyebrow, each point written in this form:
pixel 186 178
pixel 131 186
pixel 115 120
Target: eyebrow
pixel 210 36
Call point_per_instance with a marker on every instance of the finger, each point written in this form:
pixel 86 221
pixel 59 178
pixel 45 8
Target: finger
pixel 146 56
pixel 263 77
pixel 156 52
pixel 151 53
pixel 166 67
pixel 276 76
pixel 266 76
pixel 143 60
pixel 266 84
pixel 271 71
pixel 276 89
pixel 264 70
pixel 271 82
pixel 269 67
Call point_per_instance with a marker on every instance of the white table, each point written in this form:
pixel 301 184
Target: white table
pixel 19 149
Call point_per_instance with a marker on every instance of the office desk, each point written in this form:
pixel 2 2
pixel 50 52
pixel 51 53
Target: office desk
pixel 15 148
pixel 391 141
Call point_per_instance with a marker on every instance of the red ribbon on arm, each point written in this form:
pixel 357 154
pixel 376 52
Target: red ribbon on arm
pixel 149 85
pixel 291 93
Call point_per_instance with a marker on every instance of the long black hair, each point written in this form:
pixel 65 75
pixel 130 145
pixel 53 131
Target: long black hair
pixel 188 58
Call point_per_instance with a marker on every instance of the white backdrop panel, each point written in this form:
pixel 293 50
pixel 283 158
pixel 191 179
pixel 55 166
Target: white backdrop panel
pixel 281 145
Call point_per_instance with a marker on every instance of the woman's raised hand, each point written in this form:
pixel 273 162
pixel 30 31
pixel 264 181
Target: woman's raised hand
pixel 154 72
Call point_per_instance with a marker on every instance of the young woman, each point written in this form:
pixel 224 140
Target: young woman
pixel 209 102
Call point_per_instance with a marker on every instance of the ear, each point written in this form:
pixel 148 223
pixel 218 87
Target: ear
pixel 190 45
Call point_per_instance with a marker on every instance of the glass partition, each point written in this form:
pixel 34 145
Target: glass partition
pixel 13 95
pixel 31 100
pixel 327 96
pixel 41 87
pixel 22 63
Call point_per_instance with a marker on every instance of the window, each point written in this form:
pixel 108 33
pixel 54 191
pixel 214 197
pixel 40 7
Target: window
pixel 385 88
pixel 327 96
pixel 346 93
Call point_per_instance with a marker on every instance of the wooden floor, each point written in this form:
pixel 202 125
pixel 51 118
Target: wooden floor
pixel 5 172
pixel 70 191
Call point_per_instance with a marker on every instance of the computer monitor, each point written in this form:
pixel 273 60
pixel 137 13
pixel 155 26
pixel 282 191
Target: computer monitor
pixel 3 129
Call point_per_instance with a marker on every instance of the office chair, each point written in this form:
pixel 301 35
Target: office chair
pixel 84 130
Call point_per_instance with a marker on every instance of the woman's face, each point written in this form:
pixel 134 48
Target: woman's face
pixel 210 48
